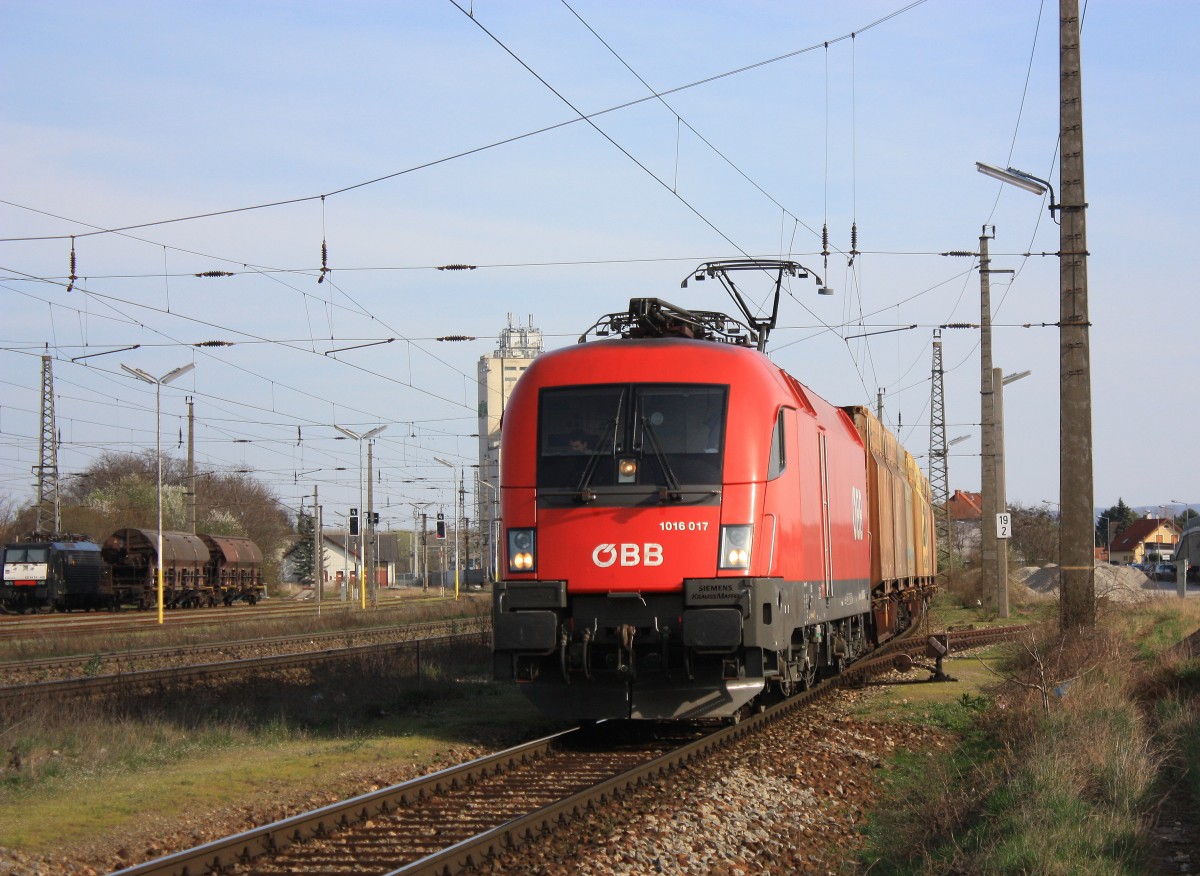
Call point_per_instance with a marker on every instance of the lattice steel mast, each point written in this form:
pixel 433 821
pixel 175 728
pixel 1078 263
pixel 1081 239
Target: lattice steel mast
pixel 939 478
pixel 47 469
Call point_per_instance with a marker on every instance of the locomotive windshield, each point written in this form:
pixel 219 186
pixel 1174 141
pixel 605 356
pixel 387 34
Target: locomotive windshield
pixel 23 554
pixel 674 433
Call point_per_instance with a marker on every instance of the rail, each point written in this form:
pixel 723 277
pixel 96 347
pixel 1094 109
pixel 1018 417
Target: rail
pixel 27 696
pixel 510 834
pixel 91 664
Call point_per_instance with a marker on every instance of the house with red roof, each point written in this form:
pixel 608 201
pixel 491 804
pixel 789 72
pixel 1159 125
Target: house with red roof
pixel 966 514
pixel 964 505
pixel 1146 540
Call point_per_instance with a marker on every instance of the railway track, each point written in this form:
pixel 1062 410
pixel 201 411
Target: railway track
pixel 17 627
pixel 141 659
pixel 469 815
pixel 18 699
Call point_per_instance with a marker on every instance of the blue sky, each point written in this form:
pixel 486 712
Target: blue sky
pixel 117 114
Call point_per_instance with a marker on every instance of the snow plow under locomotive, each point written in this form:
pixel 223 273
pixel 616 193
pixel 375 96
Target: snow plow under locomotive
pixel 688 527
pixel 63 573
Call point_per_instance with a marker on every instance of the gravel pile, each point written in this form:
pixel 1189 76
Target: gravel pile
pixel 1118 583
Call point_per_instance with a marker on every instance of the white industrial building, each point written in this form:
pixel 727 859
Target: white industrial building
pixel 518 346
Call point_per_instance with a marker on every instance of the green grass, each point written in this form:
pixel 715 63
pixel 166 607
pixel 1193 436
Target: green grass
pixel 173 775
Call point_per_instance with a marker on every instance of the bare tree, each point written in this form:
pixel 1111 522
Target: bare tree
pixel 1035 534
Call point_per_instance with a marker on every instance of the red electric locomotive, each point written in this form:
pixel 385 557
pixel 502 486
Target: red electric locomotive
pixel 688 527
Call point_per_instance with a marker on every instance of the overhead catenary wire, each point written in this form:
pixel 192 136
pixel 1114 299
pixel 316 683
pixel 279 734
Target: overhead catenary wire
pixel 306 298
pixel 458 155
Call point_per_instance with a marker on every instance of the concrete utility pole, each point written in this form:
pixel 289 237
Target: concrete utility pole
pixel 370 579
pixel 191 491
pixel 1001 494
pixel 424 551
pixel 987 461
pixel 318 564
pixel 1076 557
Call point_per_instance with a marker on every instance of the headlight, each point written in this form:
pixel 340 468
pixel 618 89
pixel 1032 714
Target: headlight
pixel 522 550
pixel 736 542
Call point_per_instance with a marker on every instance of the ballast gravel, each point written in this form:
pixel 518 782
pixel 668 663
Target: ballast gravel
pixel 791 800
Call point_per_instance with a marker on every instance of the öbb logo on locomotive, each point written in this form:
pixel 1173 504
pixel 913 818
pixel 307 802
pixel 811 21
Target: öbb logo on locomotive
pixel 690 530
pixel 630 555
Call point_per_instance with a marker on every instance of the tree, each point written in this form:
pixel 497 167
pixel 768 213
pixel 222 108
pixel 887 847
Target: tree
pixel 120 490
pixel 10 520
pixel 302 553
pixel 1119 516
pixel 1035 534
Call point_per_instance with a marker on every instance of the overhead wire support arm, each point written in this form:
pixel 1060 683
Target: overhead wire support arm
pixel 360 346
pixel 903 328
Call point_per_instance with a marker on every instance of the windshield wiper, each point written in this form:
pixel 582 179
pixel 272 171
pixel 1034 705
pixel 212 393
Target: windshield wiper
pixel 583 494
pixel 673 491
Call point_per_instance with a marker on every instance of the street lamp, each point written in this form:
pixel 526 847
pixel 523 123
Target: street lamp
pixel 1108 527
pixel 1181 550
pixel 999 381
pixel 362 590
pixel 420 560
pixel 493 532
pixel 1186 507
pixel 158 385
pixel 454 481
pixel 1076 490
pixel 1020 179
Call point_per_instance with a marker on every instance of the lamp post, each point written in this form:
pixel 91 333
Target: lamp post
pixel 1077 566
pixel 1076 551
pixel 1183 523
pixel 1186 506
pixel 362 590
pixel 989 460
pixel 418 550
pixel 158 385
pixel 1181 558
pixel 1108 525
pixel 493 532
pixel 999 381
pixel 455 497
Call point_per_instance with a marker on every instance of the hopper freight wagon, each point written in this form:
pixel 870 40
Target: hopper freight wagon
pixel 197 570
pixel 71 572
pixel 234 568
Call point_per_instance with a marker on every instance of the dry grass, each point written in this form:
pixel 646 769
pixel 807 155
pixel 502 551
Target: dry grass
pixel 1063 770
pixel 179 753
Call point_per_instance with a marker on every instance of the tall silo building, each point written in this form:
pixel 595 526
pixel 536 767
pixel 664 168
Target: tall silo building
pixel 517 348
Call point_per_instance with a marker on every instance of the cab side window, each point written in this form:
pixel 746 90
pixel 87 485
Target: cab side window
pixel 778 461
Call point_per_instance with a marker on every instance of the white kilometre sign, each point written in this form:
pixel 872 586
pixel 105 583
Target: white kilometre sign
pixel 1004 525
